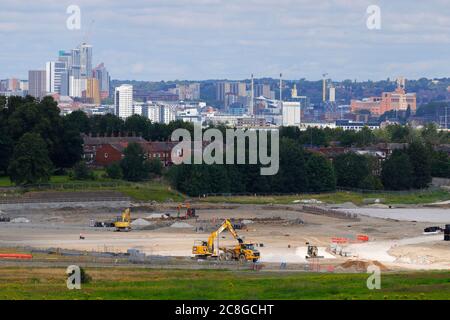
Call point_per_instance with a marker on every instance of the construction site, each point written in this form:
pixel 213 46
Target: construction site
pixel 106 228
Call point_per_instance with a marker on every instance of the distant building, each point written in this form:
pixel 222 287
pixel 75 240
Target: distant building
pixel 76 87
pixel 189 91
pixel 355 126
pixel 263 90
pixel 154 113
pixel 93 91
pixel 36 83
pixel 291 113
pixel 85 51
pixel 123 101
pixel 56 77
pixel 102 75
pixel 332 97
pixel 398 100
pixel 222 88
pixel 167 114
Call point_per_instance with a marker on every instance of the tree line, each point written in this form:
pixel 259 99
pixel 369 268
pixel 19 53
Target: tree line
pixel 37 142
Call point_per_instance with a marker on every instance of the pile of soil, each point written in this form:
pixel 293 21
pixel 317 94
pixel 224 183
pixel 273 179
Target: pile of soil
pixel 362 265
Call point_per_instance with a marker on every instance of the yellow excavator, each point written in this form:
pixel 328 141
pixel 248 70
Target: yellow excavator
pixel 208 249
pixel 124 222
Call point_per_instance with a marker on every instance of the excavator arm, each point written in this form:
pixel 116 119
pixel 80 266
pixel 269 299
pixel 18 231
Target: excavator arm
pixel 226 225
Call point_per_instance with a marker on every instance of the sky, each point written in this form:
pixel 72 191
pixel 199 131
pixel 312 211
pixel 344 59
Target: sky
pixel 230 39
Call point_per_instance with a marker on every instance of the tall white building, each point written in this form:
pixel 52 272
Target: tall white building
pixel 154 113
pixel 332 94
pixel 123 101
pixel 167 114
pixel 56 77
pixel 76 87
pixel 291 113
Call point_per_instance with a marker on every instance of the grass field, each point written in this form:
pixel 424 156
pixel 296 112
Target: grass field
pixel 115 283
pixel 161 191
pixel 413 197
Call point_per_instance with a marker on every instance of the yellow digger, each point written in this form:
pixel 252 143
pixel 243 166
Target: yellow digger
pixel 209 249
pixel 124 222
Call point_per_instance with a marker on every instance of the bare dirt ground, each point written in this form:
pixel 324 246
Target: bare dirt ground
pixel 279 233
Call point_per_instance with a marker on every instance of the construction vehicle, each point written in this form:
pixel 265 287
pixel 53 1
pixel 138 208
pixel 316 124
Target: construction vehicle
pixel 313 252
pixel 190 212
pixel 210 249
pixel 124 222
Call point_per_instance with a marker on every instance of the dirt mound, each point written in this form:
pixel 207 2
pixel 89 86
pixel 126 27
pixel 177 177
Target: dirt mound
pixel 362 265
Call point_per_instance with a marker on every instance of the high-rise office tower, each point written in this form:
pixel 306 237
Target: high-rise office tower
pixel 102 75
pixel 123 101
pixel 56 77
pixel 76 63
pixel 36 83
pixel 85 60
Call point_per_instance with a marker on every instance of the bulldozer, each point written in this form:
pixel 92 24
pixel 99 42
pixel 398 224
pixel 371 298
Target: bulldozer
pixel 209 249
pixel 123 223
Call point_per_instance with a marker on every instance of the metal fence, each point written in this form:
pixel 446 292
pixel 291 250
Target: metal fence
pixel 7 200
pixel 340 189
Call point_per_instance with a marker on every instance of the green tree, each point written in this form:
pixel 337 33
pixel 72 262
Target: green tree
pixel 291 176
pixel 351 169
pixel 371 182
pixel 80 120
pixel 134 164
pixel 320 174
pixel 82 172
pixel 155 167
pixel 114 171
pixel 420 161
pixel 30 162
pixel 440 164
pixel 397 172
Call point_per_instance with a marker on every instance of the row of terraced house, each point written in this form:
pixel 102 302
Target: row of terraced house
pixel 103 151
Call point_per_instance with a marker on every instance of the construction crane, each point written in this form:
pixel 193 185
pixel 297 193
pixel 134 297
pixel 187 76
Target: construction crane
pixel 124 222
pixel 242 251
pixel 88 34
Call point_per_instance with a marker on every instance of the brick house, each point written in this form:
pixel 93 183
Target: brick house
pixel 91 145
pixel 109 153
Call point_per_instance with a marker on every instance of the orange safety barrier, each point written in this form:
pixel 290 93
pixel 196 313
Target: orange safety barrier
pixel 15 256
pixel 362 237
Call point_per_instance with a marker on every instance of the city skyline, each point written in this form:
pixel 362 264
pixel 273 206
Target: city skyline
pixel 214 39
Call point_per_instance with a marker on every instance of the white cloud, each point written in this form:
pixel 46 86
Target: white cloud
pixel 168 39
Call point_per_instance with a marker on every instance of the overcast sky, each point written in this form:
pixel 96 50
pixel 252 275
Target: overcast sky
pixel 217 39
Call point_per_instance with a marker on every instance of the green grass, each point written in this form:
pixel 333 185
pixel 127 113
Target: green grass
pixel 5 182
pixel 413 197
pixel 61 179
pixel 160 191
pixel 151 191
pixel 115 283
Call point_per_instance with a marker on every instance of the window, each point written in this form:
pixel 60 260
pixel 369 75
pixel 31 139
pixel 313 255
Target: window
pixel 106 155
